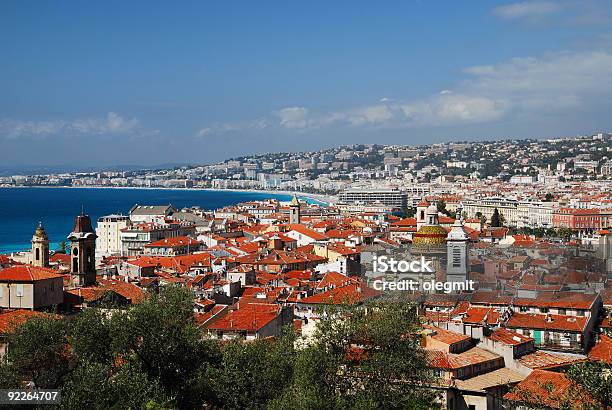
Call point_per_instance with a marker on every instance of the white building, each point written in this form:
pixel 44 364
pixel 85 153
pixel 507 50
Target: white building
pixel 508 208
pixel 522 179
pixel 535 214
pixel 108 231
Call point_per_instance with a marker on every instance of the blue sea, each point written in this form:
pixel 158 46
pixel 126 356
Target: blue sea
pixel 22 208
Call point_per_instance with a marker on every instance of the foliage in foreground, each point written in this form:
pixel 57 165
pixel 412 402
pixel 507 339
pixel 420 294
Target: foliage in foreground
pixel 154 356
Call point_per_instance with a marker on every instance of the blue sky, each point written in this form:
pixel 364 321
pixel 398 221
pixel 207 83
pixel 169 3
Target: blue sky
pixel 115 82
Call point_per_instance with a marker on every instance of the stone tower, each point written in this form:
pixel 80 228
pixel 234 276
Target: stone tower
pixel 295 216
pixel 82 252
pixel 457 261
pixel 40 247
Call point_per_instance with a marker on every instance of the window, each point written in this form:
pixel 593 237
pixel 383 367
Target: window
pixel 19 290
pixel 456 257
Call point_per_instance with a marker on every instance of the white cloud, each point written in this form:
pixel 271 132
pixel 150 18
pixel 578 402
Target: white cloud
pixel 449 109
pixel 293 117
pixel 556 83
pixel 112 124
pixel 527 10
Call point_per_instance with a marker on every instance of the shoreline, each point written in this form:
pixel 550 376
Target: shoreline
pixel 318 198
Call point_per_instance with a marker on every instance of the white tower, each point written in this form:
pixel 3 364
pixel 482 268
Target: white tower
pixel 457 261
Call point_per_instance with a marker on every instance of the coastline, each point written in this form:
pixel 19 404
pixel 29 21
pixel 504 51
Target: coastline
pixel 317 198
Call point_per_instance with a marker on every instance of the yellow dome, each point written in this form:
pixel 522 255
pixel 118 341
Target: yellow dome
pixel 40 231
pixel 430 235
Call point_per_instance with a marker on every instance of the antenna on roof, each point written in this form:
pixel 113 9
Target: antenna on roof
pixel 82 209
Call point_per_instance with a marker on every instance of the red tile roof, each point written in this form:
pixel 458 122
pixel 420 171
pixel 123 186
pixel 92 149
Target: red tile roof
pixel 27 273
pixel 248 318
pixel 334 279
pixel 477 315
pixel 549 389
pixel 554 322
pixel 344 295
pixel 451 361
pixel 545 360
pixel 569 300
pixel 11 319
pixel 508 337
pixel 445 336
pixel 602 351
pixel 174 242
pixel 317 236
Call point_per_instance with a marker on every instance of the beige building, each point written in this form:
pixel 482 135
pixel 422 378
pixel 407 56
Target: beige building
pixel 30 287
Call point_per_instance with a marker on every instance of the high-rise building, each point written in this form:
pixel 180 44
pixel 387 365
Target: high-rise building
pixel 108 232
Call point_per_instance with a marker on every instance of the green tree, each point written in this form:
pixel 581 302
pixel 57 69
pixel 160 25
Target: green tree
pixel 63 247
pixel 596 379
pixel 441 205
pixel 368 357
pixel 38 351
pixel 252 374
pixel 160 337
pixel 496 221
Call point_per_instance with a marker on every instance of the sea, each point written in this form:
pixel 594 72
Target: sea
pixel 22 208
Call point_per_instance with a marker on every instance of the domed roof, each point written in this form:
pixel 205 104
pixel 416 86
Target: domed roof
pixel 429 235
pixel 458 232
pixel 40 231
pixel 82 224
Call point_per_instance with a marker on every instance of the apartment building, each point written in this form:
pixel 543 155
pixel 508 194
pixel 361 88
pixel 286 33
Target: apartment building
pixel 535 214
pixel 508 208
pixel 391 197
pixel 577 219
pixel 135 237
pixel 108 230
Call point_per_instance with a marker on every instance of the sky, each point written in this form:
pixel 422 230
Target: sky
pixel 149 82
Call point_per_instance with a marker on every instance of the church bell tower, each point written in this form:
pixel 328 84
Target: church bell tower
pixel 457 265
pixel 82 252
pixel 40 247
pixel 295 216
